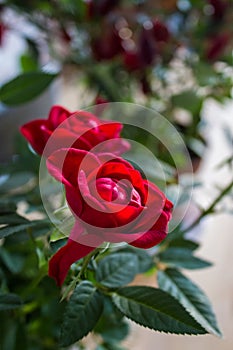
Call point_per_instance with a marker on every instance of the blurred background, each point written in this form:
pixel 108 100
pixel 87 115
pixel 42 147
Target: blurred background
pixel 172 56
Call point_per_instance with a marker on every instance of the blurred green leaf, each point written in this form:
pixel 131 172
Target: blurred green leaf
pixel 10 230
pixel 25 87
pixel 55 245
pixel 7 207
pixel 28 63
pixel 13 261
pixel 188 100
pixel 197 146
pixel 82 313
pixel 15 181
pixel 117 270
pixel 184 243
pixel 111 326
pixel 9 301
pixel 183 258
pixel 12 218
pixel 206 75
pixel 191 297
pixel 155 309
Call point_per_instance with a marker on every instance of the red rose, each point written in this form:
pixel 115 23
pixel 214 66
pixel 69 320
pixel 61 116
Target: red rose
pixel 80 129
pixel 110 201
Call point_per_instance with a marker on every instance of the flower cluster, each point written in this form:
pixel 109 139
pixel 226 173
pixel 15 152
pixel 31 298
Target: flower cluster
pixel 110 200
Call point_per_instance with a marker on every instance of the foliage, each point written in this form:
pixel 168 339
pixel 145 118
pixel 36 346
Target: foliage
pixel 98 300
pixel 166 55
pixel 177 54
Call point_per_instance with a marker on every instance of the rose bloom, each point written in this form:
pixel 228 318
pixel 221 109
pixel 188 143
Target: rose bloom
pixel 111 202
pixel 80 129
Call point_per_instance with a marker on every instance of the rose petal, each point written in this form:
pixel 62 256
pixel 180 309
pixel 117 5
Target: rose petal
pixel 64 164
pixel 110 130
pixel 65 138
pixel 149 239
pixel 57 115
pixel 60 263
pixel 116 146
pixel 36 133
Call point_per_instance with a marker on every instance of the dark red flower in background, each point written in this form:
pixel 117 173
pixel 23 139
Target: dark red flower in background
pixel 217 46
pixel 160 31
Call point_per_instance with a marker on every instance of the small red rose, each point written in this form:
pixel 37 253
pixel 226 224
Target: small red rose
pixel 80 129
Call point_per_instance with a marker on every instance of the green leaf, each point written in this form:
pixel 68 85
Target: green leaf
pixel 55 245
pixel 188 100
pixel 197 146
pixel 182 257
pixel 12 219
pixel 117 269
pixel 9 301
pixel 7 207
pixel 115 332
pixel 25 87
pixel 28 63
pixel 112 325
pixel 82 313
pixel 206 75
pixel 155 309
pixel 145 261
pixel 191 297
pixel 13 261
pixel 184 243
pixel 10 230
pixel 15 181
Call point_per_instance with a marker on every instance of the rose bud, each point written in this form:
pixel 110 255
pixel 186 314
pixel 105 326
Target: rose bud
pixel 101 7
pixel 219 7
pixel 99 100
pixel 111 202
pixel 108 46
pixel 132 61
pixel 80 129
pixel 217 46
pixel 160 31
pixel 146 47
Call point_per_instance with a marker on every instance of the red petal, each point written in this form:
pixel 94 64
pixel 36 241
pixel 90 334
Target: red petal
pixel 60 263
pixel 37 133
pixel 110 130
pixel 149 239
pixel 65 138
pixel 64 164
pixel 116 146
pixel 57 115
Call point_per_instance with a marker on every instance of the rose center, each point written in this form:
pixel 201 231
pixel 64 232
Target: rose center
pixel 120 192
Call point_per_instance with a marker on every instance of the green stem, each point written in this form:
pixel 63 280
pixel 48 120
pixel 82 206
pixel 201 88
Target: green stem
pixel 32 239
pixel 210 209
pixel 72 285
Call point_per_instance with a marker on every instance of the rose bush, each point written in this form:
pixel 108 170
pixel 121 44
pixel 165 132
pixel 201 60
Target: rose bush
pixel 110 200
pixel 80 129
